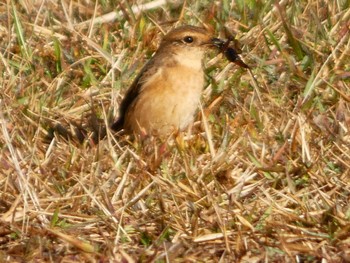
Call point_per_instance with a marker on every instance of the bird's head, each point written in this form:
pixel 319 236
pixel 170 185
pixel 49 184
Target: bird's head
pixel 188 44
pixel 191 37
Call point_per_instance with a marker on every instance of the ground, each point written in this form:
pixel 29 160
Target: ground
pixel 264 176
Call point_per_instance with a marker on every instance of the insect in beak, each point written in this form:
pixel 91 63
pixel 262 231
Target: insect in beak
pixel 230 52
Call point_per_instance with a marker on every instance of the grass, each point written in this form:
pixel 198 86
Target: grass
pixel 266 179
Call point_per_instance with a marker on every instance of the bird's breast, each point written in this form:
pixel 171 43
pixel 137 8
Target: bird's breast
pixel 168 101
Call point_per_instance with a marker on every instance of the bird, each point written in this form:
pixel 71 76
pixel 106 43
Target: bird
pixel 164 97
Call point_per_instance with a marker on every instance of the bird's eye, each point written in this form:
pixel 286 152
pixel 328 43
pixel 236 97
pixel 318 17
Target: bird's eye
pixel 188 39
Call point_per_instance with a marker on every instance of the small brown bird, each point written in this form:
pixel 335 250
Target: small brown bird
pixel 164 96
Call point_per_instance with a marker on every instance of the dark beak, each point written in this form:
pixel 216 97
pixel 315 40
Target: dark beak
pixel 217 42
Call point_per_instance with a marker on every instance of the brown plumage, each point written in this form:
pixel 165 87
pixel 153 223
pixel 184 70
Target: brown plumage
pixel 165 95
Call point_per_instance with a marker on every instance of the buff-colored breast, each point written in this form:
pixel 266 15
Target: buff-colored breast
pixel 167 102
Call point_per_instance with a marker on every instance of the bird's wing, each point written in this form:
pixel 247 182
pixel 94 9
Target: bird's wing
pixel 131 95
pixel 150 70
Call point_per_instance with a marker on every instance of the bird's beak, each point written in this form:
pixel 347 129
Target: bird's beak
pixel 217 42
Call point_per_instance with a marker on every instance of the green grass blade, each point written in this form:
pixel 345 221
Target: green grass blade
pixel 20 32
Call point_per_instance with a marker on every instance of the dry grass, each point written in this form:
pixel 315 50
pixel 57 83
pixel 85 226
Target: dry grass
pixel 271 183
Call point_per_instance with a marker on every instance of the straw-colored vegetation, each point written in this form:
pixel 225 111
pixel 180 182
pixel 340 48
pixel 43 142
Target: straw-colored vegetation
pixel 265 176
